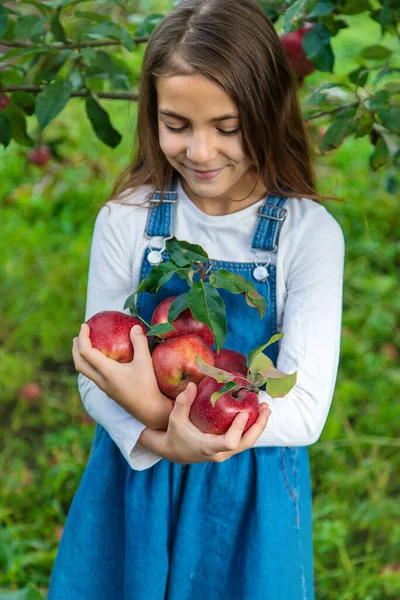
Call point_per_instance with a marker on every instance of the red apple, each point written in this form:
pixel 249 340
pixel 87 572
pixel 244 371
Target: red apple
pixel 4 101
pixel 174 362
pixel 109 333
pixel 293 44
pixel 31 393
pixel 230 360
pixel 39 156
pixel 184 324
pixel 218 418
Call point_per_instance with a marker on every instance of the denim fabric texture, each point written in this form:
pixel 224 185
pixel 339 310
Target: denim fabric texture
pixel 237 530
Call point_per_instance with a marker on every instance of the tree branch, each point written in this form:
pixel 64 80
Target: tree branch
pixel 36 89
pixel 72 46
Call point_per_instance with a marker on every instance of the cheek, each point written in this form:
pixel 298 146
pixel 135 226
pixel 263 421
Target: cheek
pixel 171 145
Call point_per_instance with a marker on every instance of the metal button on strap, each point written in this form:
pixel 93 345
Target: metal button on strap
pixel 154 257
pixel 260 273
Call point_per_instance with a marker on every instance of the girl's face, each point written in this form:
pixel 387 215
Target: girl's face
pixel 199 133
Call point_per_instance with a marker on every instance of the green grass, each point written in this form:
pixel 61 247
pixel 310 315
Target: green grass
pixel 47 221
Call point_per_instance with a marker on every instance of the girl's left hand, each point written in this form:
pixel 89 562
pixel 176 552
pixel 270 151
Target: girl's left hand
pixel 132 385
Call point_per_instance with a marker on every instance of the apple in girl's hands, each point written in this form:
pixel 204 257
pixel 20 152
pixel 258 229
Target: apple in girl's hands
pixel 184 324
pixel 110 333
pixel 174 362
pixel 218 418
pixel 230 360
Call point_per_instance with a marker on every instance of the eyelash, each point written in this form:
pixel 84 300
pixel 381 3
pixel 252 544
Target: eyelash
pixel 174 130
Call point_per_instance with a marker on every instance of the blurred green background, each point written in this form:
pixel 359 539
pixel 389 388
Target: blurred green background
pixel 47 218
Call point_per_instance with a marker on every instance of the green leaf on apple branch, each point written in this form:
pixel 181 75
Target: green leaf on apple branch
pixel 236 284
pixel 130 303
pixel 363 124
pixel 51 101
pixel 180 304
pixel 3 20
pixel 317 46
pixel 225 388
pixel 253 353
pixel 277 388
pixel 101 123
pixel 161 273
pixel 339 129
pixel 5 130
pixel 207 306
pixel 390 118
pixel 295 15
pixel 160 328
pixel 379 155
pixel 318 96
pixel 322 9
pixel 359 76
pixel 219 375
pixel 260 362
pixel 183 253
pixel 376 52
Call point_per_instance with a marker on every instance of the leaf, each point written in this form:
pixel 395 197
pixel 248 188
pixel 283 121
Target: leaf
pixel 148 25
pixel 236 284
pixel 162 272
pixel 363 124
pixel 183 253
pixel 219 375
pixel 322 9
pixel 354 7
pixel 101 123
pixel 341 127
pixel 277 388
pixel 231 385
pixel 260 362
pixel 160 328
pixel 207 306
pixel 380 100
pixel 376 52
pixel 178 305
pixel 5 130
pixel 18 126
pixel 319 94
pixel 130 303
pixel 51 101
pixel 31 26
pixel 253 353
pixel 379 155
pixel 3 20
pixel 317 46
pixel 56 27
pixel 359 76
pixel 390 118
pixel 385 72
pixel 92 16
pixel 296 14
pixel 111 30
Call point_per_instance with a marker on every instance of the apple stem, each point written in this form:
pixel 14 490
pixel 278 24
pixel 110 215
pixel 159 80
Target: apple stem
pixel 143 321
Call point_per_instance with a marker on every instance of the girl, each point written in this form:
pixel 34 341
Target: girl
pixel 164 511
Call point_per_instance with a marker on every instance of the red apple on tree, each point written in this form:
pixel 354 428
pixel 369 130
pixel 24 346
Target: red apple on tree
pixel 218 418
pixel 230 360
pixel 293 44
pixel 174 363
pixel 39 156
pixel 4 101
pixel 110 333
pixel 31 393
pixel 184 324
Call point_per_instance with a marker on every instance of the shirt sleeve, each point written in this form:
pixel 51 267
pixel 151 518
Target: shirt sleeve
pixel 311 343
pixel 110 282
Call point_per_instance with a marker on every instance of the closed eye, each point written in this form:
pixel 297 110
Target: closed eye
pixel 180 129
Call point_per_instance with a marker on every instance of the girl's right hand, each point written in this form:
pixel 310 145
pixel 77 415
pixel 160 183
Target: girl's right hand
pixel 184 443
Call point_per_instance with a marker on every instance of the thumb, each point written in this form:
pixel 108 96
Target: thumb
pixel 185 399
pixel 140 343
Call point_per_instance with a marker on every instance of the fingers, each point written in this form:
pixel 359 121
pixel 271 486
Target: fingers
pixel 92 356
pixel 140 343
pixel 253 433
pixel 234 434
pixel 82 366
pixel 184 401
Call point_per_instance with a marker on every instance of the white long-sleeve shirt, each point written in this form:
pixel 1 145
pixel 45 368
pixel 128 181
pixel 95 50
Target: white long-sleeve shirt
pixel 309 276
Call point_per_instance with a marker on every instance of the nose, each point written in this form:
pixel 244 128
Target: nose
pixel 200 149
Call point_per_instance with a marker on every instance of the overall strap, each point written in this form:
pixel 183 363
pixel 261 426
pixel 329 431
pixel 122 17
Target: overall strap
pixel 270 218
pixel 160 217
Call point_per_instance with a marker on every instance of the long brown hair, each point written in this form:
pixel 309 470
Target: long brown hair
pixel 235 45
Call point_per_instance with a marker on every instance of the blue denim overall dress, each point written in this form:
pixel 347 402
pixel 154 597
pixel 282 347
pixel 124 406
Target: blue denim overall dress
pixel 236 530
